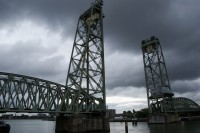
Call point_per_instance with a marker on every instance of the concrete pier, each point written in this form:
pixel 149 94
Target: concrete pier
pixel 163 118
pixel 81 123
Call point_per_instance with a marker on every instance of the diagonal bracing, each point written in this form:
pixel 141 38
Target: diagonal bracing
pixel 86 70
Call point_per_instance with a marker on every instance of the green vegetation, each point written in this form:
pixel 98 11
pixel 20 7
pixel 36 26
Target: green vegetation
pixel 143 113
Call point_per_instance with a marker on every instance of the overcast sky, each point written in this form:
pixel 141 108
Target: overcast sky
pixel 36 38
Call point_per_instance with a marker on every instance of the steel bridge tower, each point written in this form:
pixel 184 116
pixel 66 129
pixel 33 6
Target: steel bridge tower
pixel 86 75
pixel 86 71
pixel 159 92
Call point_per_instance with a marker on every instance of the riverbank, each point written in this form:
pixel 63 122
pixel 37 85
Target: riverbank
pixel 190 118
pixel 129 120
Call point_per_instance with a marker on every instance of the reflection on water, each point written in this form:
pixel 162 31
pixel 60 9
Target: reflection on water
pixel 182 127
pixel 39 126
pixel 166 128
pixel 119 127
pixel 31 126
pixel 143 127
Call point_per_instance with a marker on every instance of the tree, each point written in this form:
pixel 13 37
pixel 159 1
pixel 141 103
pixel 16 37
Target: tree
pixel 129 114
pixel 143 113
pixel 124 113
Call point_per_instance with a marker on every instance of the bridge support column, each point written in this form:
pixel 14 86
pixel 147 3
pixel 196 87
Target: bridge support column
pixel 163 118
pixel 83 123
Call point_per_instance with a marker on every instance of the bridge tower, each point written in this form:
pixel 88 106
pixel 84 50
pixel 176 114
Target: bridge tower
pixel 159 93
pixel 86 71
pixel 86 75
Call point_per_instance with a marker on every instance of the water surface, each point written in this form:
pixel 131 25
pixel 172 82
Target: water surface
pixel 40 126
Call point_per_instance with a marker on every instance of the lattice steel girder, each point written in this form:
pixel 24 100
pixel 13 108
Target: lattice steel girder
pixel 157 82
pixel 20 93
pixel 181 104
pixel 86 70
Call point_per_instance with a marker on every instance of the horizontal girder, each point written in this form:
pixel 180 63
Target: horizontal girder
pixel 19 93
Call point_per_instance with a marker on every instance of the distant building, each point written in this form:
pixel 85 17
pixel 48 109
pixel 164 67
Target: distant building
pixel 24 116
pixel 119 115
pixel 111 113
pixel 41 116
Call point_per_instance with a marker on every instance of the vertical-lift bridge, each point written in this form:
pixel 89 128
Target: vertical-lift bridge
pixel 162 106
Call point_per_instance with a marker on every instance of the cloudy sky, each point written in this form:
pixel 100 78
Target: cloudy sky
pixel 36 38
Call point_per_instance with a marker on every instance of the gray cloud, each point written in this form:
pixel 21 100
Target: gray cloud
pixel 181 86
pixel 26 58
pixel 124 69
pixel 55 14
pixel 173 22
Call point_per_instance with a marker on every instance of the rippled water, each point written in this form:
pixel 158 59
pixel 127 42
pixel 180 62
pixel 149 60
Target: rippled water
pixel 31 126
pixel 40 126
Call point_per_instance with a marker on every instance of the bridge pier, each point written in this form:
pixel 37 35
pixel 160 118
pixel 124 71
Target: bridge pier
pixel 163 118
pixel 81 123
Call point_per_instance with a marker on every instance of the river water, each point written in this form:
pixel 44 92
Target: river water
pixel 40 126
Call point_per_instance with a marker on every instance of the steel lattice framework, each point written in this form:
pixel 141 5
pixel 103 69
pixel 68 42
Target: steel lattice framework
pixel 157 82
pixel 84 91
pixel 19 93
pixel 86 70
pixel 182 104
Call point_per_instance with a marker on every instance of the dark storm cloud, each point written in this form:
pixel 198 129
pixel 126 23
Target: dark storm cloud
pixel 126 24
pixel 124 78
pixel 184 65
pixel 55 14
pixel 26 58
pixel 186 86
pixel 129 22
pixel 173 22
pixel 124 69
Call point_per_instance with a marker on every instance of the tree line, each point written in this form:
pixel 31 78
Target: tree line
pixel 143 113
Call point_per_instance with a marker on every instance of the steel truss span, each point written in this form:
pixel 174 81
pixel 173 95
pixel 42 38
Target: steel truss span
pixel 19 93
pixel 182 104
